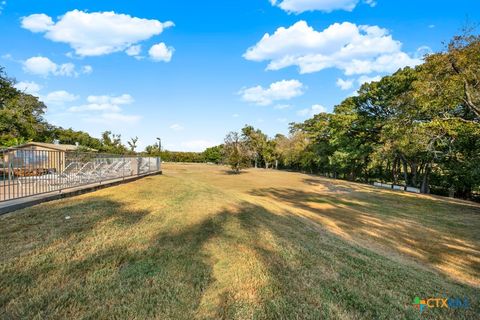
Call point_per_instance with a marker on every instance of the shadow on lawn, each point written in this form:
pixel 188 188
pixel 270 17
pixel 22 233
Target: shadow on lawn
pixel 166 275
pixel 233 172
pixel 310 273
pixel 430 239
pixel 314 275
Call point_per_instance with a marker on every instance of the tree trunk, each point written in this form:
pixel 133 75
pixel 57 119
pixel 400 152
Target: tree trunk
pixel 394 171
pixel 413 168
pixel 424 188
pixel 365 171
pixel 451 192
pixel 387 170
pixel 276 164
pixel 405 172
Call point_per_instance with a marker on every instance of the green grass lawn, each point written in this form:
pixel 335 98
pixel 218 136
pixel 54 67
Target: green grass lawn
pixel 199 243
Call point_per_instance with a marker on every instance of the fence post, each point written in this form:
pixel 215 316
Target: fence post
pixel 123 170
pixel 138 166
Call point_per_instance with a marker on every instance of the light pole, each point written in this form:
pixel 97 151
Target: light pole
pixel 159 144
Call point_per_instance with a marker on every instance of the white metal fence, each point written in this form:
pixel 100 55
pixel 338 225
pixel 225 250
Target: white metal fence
pixel 26 172
pixel 396 187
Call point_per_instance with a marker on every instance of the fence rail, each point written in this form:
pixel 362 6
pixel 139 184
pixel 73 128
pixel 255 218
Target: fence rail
pixel 26 172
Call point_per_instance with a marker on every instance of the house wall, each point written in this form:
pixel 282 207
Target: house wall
pixel 40 158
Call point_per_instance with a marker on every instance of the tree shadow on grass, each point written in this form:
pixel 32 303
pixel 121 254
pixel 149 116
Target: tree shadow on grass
pixel 49 222
pixel 161 276
pixel 432 240
pixel 319 276
pixel 233 172
pixel 309 274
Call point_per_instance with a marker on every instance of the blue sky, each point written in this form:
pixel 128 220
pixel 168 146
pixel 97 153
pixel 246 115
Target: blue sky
pixel 190 71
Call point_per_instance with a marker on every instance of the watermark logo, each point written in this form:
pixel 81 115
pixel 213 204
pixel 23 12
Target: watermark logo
pixel 440 302
pixel 420 304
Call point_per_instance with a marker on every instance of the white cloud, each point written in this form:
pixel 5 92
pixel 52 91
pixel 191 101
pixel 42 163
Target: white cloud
pixel 353 49
pixel 38 22
pixel 43 66
pixel 366 79
pixel 423 51
pixel 66 69
pixel 235 115
pixel 176 127
pixel 87 69
pixel 7 56
pixel 2 5
pixel 116 100
pixel 282 120
pixel 160 52
pixel 59 97
pixel 106 109
pixel 313 110
pixel 280 90
pixel 299 6
pixel 431 26
pixel 40 66
pixel 95 107
pixel 344 84
pixel 28 87
pixel 95 33
pixel 134 50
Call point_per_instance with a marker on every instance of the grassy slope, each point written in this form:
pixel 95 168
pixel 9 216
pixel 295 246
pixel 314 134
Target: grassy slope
pixel 200 243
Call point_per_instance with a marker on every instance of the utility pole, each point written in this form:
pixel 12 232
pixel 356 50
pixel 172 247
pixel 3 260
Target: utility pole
pixel 159 144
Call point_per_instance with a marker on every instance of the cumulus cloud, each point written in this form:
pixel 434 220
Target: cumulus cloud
pixel 28 87
pixel 114 100
pixel 134 50
pixel 43 66
pixel 95 107
pixel 344 84
pixel 95 33
pixel 280 90
pixel 366 79
pixel 313 110
pixel 87 69
pixel 353 49
pixel 299 6
pixel 160 52
pixel 59 97
pixel 105 108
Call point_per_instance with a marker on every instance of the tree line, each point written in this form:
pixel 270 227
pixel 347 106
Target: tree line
pixel 22 120
pixel 418 127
